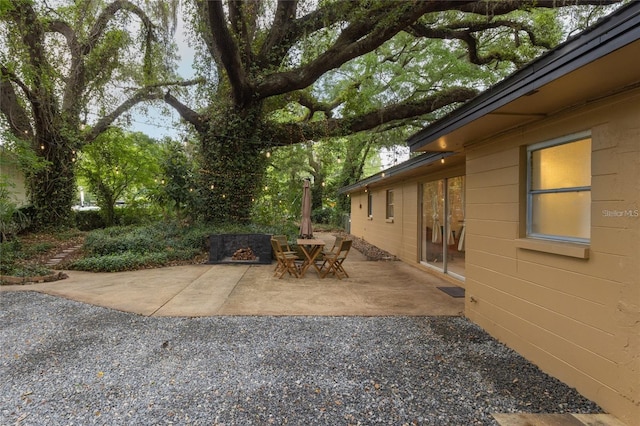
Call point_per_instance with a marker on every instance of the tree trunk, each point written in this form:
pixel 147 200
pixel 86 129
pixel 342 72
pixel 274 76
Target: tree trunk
pixel 232 169
pixel 317 192
pixel 52 188
pixel 107 207
pixel 352 169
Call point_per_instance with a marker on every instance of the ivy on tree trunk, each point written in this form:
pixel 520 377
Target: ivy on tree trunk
pixel 52 187
pixel 232 166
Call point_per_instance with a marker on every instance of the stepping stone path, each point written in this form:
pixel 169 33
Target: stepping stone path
pixel 62 255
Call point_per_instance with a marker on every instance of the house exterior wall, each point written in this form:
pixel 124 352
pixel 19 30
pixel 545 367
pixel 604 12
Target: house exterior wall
pixel 399 237
pixel 389 235
pixel 577 318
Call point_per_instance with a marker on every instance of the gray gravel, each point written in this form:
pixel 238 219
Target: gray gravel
pixel 67 363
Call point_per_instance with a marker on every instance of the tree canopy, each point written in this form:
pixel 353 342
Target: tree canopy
pixel 287 72
pixel 120 166
pixel 67 73
pixel 272 73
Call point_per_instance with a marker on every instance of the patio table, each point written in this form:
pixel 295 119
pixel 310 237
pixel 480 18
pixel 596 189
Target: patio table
pixel 311 249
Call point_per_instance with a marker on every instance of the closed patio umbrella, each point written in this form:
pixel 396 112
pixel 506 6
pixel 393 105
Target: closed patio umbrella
pixel 306 230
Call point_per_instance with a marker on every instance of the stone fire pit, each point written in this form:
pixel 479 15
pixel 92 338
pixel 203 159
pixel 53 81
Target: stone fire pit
pixel 223 246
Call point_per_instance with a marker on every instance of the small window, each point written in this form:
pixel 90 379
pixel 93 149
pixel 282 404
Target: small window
pixel 369 204
pixel 390 204
pixel 559 189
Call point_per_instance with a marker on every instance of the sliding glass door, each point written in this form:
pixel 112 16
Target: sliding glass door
pixel 442 225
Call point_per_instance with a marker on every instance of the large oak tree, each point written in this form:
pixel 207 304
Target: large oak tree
pixel 286 55
pixel 67 72
pixel 69 69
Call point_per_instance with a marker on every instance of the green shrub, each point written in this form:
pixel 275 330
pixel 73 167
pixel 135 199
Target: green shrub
pixel 137 215
pixel 27 271
pixel 132 247
pixel 131 261
pixel 321 215
pixel 9 253
pixel 108 263
pixel 196 237
pixel 12 256
pixel 122 248
pixel 88 220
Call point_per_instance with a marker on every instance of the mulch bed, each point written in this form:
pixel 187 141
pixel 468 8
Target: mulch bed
pixel 370 251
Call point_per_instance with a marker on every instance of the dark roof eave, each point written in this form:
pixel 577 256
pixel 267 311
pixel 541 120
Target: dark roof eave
pixel 616 30
pixel 404 167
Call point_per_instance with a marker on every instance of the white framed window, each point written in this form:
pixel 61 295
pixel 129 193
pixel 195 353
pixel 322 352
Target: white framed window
pixel 390 204
pixel 369 204
pixel 559 189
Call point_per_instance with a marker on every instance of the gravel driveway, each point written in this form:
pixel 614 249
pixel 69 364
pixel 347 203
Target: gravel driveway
pixel 65 362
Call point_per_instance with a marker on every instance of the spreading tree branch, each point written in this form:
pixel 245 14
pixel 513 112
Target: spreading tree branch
pixel 292 133
pixel 76 83
pixel 359 37
pixel 243 16
pixel 465 33
pixel 369 32
pixel 224 50
pixel 107 14
pixel 142 95
pixel 198 121
pixel 494 8
pixel 286 29
pixel 313 105
pixel 43 104
pixel 10 107
pixel 150 93
pixel 278 40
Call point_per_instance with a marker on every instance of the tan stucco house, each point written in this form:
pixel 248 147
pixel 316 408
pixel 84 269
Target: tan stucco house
pixel 528 196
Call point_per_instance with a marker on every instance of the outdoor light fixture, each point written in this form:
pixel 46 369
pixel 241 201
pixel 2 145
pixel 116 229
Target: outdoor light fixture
pixel 442 160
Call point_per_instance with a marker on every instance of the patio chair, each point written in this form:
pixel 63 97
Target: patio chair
pixel 327 250
pixel 336 246
pixel 286 262
pixel 333 261
pixel 284 243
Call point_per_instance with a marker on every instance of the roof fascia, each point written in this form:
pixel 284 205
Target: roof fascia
pixel 404 167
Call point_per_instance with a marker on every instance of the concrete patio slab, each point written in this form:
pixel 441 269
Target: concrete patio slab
pixel 384 288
